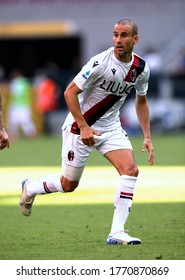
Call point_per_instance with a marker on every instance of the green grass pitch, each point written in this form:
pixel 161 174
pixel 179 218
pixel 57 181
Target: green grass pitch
pixel 75 226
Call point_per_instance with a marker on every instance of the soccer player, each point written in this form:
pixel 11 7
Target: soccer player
pixel 4 139
pixel 93 123
pixel 19 109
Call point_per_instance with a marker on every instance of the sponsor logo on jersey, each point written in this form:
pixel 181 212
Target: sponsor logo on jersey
pixel 118 88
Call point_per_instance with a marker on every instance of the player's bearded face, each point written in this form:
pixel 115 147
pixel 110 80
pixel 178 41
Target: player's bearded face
pixel 124 42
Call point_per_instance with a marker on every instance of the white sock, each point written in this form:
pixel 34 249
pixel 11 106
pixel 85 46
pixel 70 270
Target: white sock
pixel 122 202
pixel 49 184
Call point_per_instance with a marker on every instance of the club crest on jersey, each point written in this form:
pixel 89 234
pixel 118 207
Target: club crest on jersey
pixel 71 155
pixel 86 75
pixel 133 75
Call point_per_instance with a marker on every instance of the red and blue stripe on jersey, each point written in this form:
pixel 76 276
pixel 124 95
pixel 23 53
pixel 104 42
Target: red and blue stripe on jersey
pixel 99 109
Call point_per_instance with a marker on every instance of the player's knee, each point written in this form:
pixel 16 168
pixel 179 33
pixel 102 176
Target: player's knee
pixel 135 171
pixel 132 170
pixel 68 186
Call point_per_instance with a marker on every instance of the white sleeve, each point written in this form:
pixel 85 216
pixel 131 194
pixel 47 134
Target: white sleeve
pixel 142 81
pixel 88 75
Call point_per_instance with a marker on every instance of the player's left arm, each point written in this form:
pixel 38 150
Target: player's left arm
pixel 142 110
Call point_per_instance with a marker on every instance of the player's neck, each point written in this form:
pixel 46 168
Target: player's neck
pixel 126 58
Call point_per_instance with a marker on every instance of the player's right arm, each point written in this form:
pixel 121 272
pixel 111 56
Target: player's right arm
pixel 4 141
pixel 71 97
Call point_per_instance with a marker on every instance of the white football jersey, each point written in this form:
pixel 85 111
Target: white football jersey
pixel 106 82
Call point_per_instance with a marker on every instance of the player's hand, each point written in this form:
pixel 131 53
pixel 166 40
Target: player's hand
pixel 4 141
pixel 147 144
pixel 87 136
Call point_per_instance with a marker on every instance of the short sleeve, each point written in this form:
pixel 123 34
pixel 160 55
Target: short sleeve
pixel 88 75
pixel 142 81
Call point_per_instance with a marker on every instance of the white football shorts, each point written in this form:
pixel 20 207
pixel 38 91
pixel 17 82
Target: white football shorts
pixel 75 153
pixel 21 117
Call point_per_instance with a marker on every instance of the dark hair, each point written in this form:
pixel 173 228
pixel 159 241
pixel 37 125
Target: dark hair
pixel 130 22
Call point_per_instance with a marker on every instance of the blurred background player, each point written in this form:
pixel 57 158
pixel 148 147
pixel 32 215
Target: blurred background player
pixel 94 123
pixel 47 101
pixel 19 117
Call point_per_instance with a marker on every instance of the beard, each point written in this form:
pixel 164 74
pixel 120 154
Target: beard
pixel 124 55
pixel 121 53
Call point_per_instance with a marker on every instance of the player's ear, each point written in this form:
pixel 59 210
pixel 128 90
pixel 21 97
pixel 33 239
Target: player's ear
pixel 136 39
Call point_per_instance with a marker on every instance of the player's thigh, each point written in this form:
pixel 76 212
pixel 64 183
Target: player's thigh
pixel 118 150
pixel 74 157
pixel 72 173
pixel 70 177
pixel 74 152
pixel 123 160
